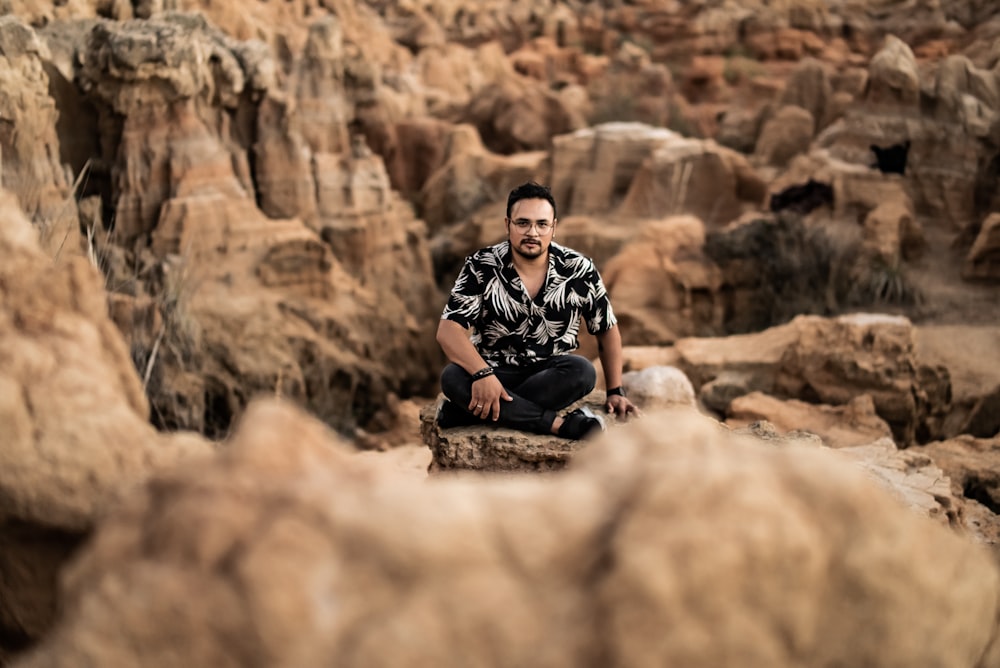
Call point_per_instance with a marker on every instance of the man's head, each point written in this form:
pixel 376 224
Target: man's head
pixel 531 220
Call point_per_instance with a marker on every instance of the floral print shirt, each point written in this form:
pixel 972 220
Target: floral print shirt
pixel 509 327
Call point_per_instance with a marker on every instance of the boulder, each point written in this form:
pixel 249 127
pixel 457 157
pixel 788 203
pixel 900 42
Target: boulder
pixel 893 79
pixel 471 177
pixel 810 87
pixel 520 114
pixel 784 135
pixel 658 387
pixel 662 285
pixel 697 177
pixel 983 260
pixel 492 449
pixel 593 168
pixel 971 465
pixel 291 548
pixel 852 424
pixel 76 422
pixel 832 361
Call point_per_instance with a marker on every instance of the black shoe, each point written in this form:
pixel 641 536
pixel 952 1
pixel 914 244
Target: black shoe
pixel 450 415
pixel 580 424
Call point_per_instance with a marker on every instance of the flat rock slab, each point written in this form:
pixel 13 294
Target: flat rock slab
pixel 496 449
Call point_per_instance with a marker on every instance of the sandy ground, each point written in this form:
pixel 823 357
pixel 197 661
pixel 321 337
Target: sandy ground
pixel 970 352
pixel 410 459
pixel 958 324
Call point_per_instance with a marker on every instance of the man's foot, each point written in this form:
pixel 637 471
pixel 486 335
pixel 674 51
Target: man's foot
pixel 580 424
pixel 450 415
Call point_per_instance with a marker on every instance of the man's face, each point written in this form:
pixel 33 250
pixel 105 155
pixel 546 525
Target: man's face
pixel 526 238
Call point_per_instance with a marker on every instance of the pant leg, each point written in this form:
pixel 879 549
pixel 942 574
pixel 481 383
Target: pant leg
pixel 520 413
pixel 557 382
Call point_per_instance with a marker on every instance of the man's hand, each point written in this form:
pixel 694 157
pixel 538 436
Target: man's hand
pixel 620 406
pixel 486 395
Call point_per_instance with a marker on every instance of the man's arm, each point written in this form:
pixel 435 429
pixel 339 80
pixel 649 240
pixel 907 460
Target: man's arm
pixel 486 392
pixel 609 349
pixel 454 341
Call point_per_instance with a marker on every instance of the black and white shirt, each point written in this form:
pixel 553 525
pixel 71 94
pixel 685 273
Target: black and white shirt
pixel 510 328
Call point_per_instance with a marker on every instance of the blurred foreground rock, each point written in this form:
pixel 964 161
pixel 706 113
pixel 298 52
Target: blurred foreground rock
pixel 669 542
pixel 75 421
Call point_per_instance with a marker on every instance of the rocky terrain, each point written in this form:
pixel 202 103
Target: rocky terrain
pixel 227 231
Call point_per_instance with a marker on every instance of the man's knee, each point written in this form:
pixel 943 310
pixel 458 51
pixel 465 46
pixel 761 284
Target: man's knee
pixel 453 379
pixel 582 371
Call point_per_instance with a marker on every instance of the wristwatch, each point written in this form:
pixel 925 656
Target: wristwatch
pixel 620 391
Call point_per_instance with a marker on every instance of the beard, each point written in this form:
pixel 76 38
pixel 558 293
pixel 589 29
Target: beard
pixel 529 252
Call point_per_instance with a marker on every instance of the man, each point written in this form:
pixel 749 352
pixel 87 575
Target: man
pixel 523 299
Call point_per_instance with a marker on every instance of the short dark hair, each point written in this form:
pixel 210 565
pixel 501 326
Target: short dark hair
pixel 530 190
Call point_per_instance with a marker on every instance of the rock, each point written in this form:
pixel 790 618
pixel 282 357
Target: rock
pixel 498 450
pixel 893 79
pixel 836 360
pixel 740 126
pixel 945 116
pixel 471 177
pixel 29 144
pixel 983 260
pixel 718 393
pixel 693 176
pixel 585 562
pixel 852 424
pixel 593 168
pixel 662 286
pixel 346 256
pixel 984 417
pixel 657 387
pixel 71 444
pixel 520 114
pixel 786 134
pixel 755 356
pixel 892 233
pixel 832 361
pixel 971 465
pixel 913 478
pixel 809 87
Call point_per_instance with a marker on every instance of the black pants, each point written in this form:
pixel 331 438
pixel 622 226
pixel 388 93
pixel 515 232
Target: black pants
pixel 538 392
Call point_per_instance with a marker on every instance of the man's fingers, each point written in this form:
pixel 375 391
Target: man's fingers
pixel 477 407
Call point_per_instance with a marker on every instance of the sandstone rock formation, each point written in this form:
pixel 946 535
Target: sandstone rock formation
pixel 289 549
pixel 493 449
pixel 262 185
pixel 201 140
pixel 29 146
pixel 75 420
pixel 852 424
pixel 982 261
pixel 662 285
pixel 831 361
pixel 971 466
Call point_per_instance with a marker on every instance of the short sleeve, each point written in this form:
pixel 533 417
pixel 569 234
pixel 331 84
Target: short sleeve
pixel 466 299
pixel 598 314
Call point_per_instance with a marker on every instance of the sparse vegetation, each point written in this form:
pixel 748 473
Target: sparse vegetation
pixel 879 283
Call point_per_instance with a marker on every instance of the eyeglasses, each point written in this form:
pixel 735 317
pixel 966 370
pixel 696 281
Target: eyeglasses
pixel 543 226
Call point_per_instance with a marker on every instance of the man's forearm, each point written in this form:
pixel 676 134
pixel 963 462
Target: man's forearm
pixel 609 349
pixel 454 341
